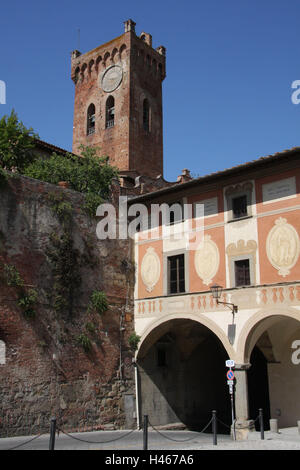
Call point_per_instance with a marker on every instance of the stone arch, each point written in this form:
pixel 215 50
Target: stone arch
pixel 77 74
pixel 210 324
pixel 90 122
pixel 181 371
pixel 265 343
pixel 106 57
pixel 82 71
pixel 98 62
pixel 122 51
pixel 115 56
pixel 91 67
pixel 256 326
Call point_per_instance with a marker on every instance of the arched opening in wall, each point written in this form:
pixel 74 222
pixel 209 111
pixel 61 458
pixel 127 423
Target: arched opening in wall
pixel 110 112
pixel 274 375
pixel 91 121
pixel 258 387
pixel 146 115
pixel 77 74
pixel 182 376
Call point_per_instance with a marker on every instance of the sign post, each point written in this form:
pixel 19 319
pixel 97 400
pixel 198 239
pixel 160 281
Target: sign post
pixel 230 382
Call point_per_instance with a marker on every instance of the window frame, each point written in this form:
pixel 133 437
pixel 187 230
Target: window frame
pixel 181 202
pixel 167 285
pixel 90 130
pixel 109 123
pixel 232 193
pixel 236 274
pixel 233 259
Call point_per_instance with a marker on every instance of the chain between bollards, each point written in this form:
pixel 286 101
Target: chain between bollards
pixel 52 434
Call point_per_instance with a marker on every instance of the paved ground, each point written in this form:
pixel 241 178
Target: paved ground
pixel 286 439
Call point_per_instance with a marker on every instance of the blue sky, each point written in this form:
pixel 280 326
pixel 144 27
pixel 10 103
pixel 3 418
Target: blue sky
pixel 230 66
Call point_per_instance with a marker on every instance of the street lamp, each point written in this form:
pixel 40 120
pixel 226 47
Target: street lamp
pixel 216 293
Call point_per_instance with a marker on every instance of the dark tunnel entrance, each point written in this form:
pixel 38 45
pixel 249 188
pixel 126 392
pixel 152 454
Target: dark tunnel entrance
pixel 182 376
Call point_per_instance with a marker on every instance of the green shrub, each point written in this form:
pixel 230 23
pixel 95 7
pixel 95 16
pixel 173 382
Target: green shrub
pixel 91 328
pixel 27 301
pixel 86 174
pixel 133 341
pixel 98 302
pixel 12 276
pixel 84 341
pixel 16 143
pixel 92 201
pixel 60 207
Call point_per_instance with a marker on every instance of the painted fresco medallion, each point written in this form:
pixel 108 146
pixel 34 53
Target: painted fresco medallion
pixel 150 269
pixel 283 246
pixel 207 260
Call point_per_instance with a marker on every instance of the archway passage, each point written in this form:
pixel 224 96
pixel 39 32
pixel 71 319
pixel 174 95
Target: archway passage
pixel 258 387
pixel 182 376
pixel 274 375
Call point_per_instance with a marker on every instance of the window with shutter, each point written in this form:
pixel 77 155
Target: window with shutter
pixel 242 273
pixel 176 274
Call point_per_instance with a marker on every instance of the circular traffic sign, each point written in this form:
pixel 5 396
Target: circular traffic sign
pixel 230 375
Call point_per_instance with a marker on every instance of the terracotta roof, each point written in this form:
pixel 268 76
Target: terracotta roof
pixel 220 174
pixel 54 148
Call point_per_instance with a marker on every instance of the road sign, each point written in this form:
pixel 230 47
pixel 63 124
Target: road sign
pixel 230 382
pixel 230 363
pixel 230 375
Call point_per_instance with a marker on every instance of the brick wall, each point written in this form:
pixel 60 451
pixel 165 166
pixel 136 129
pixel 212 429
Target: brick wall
pixel 127 144
pixel 47 372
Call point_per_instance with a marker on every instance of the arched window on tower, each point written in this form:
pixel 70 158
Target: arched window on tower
pixel 110 112
pixel 91 119
pixel 146 115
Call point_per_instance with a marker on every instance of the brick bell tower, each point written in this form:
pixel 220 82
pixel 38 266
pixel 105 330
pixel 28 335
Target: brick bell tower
pixel 118 102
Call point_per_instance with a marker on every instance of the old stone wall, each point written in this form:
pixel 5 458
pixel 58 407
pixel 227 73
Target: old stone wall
pixel 62 357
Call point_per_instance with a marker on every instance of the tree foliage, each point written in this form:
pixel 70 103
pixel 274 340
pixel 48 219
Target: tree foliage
pixel 16 143
pixel 87 174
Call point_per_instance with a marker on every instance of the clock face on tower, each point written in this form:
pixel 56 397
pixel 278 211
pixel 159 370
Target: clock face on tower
pixel 111 78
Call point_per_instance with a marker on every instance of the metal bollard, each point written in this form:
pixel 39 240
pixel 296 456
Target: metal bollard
pixel 274 425
pixel 52 434
pixel 214 427
pixel 145 433
pixel 261 423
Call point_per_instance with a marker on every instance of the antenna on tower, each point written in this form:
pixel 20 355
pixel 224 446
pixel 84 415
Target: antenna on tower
pixel 78 32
